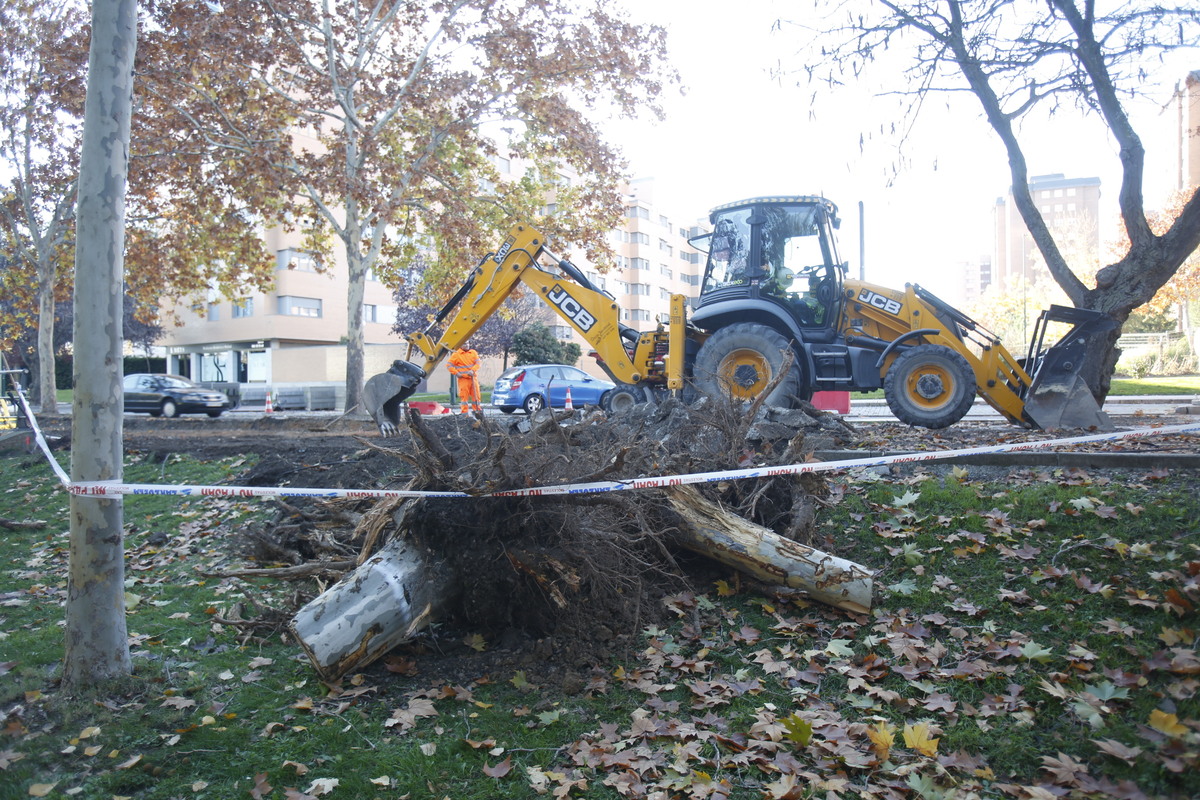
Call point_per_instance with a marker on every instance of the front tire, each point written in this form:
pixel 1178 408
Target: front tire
pixel 534 403
pixel 508 409
pixel 169 409
pixel 214 414
pixel 929 386
pixel 622 399
pixel 742 360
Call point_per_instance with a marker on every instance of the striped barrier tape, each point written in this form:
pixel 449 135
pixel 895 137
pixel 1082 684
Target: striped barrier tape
pixel 116 489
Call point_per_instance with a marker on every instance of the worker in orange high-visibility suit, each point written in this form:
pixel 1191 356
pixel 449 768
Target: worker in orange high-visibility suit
pixel 464 365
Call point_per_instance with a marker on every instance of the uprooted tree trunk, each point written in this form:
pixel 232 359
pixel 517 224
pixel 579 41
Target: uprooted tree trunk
pixel 577 564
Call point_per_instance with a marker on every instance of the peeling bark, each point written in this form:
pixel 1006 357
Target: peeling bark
pixel 709 530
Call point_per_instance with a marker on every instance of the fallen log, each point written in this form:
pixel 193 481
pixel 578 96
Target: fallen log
pixel 708 529
pixel 385 601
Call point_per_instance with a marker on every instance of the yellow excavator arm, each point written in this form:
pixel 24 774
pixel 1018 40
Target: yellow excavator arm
pixel 586 308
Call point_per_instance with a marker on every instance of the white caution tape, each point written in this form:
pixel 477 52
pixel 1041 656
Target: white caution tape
pixel 117 489
pixel 39 438
pixel 826 466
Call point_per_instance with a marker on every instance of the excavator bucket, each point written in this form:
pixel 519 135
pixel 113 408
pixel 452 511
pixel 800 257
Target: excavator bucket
pixel 1058 397
pixel 384 393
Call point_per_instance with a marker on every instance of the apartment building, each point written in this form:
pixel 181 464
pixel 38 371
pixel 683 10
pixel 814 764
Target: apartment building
pixel 654 261
pixel 1071 209
pixel 294 333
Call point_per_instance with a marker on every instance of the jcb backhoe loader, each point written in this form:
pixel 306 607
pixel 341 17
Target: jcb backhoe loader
pixel 774 282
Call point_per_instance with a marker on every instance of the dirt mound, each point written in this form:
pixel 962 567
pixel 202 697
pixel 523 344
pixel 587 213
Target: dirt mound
pixel 558 582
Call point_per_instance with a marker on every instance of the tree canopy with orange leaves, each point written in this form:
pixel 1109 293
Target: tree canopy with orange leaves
pixel 396 108
pixel 195 205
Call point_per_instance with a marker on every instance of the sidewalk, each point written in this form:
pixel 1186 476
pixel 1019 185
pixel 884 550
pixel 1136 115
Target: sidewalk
pixel 876 410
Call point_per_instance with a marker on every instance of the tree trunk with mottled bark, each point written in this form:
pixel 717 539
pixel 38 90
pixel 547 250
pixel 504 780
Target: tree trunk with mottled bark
pixel 97 647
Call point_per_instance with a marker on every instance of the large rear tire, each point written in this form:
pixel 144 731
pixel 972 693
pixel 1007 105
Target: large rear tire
pixel 929 386
pixel 742 360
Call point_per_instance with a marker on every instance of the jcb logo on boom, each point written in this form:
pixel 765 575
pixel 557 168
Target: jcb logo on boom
pixel 571 308
pixel 879 301
pixel 502 253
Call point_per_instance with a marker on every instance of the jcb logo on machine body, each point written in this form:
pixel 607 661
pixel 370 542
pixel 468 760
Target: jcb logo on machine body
pixel 879 301
pixel 571 308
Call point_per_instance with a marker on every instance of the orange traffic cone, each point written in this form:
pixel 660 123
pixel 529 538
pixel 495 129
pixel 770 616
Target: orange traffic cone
pixel 269 409
pixel 569 406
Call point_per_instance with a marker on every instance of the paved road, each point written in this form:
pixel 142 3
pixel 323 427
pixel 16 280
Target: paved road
pixel 877 410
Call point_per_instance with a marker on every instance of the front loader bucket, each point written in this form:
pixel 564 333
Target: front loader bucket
pixel 1058 397
pixel 384 393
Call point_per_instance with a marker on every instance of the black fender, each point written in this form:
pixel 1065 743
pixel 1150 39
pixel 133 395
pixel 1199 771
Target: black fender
pixel 899 341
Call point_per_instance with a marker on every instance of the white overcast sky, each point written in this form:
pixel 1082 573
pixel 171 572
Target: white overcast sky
pixel 739 133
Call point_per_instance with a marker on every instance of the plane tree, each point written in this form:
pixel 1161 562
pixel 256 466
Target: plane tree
pixel 41 110
pixel 196 203
pixel 1051 57
pixel 399 106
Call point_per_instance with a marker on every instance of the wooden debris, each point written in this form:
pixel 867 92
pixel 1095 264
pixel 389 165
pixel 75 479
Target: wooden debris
pixel 710 530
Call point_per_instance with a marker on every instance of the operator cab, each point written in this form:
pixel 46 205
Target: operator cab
pixel 776 255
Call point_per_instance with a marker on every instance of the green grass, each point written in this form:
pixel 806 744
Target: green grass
pixel 1174 385
pixel 1026 618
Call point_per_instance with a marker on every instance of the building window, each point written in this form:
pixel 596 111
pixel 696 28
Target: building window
pixel 292 306
pixel 664 293
pixel 636 315
pixel 503 165
pixel 662 220
pixel 243 308
pixel 297 259
pixel 550 209
pixel 214 312
pixel 639 263
pixel 637 212
pixel 370 312
pixel 560 331
pixel 691 258
pixel 665 246
pixel 640 288
pixel 665 271
pixel 621 287
pixel 690 280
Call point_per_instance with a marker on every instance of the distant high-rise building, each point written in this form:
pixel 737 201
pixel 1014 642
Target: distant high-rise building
pixel 1184 108
pixel 977 277
pixel 1071 209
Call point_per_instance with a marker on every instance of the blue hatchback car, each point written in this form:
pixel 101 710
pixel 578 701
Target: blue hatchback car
pixel 534 386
